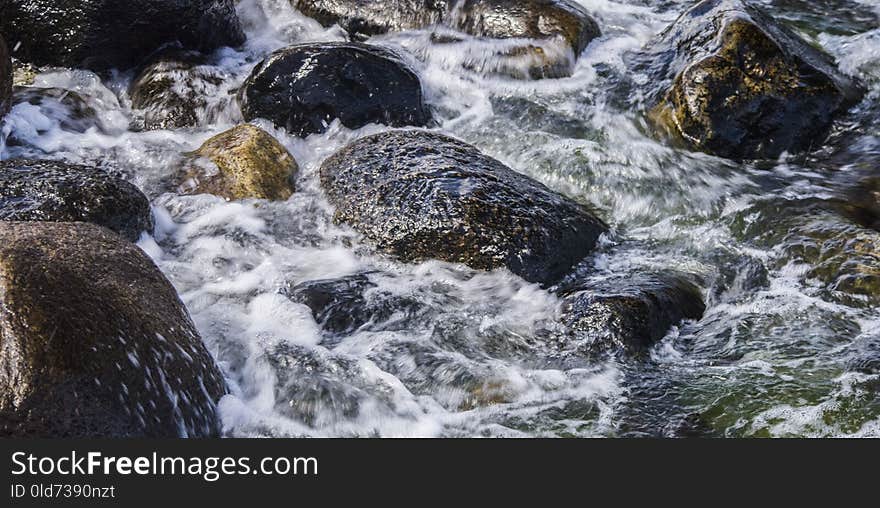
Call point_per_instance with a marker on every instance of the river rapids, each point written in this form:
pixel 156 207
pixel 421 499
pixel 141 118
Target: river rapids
pixel 776 354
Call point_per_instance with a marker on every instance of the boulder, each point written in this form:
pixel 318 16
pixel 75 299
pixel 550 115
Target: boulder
pixel 305 87
pixel 733 82
pixel 170 93
pixel 559 30
pixel 564 20
pixel 420 195
pixel 95 341
pixel 5 78
pixel 365 18
pixel 628 314
pixel 347 304
pixel 51 191
pixel 243 162
pixel 104 34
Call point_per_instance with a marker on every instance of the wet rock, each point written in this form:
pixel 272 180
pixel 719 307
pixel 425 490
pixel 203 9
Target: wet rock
pixel 171 92
pixel 50 191
pixel 243 162
pixel 733 82
pixel 528 19
pixel 629 314
pixel 342 306
pixel 74 112
pixel 5 78
pixel 419 195
pixel 105 34
pixel 96 342
pixel 365 18
pixel 305 87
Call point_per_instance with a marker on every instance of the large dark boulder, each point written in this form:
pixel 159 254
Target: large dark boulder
pixel 5 78
pixel 628 314
pixel 104 34
pixel 365 18
pixel 171 91
pixel 94 341
pixel 305 87
pixel 528 19
pixel 421 195
pixel 733 82
pixel 32 190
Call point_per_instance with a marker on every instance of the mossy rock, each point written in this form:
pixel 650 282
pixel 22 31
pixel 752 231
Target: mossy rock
pixel 243 162
pixel 421 195
pixel 96 342
pixel 52 191
pixel 735 83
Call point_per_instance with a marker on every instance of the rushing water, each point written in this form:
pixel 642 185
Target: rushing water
pixel 788 318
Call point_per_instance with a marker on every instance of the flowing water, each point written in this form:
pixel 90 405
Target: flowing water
pixel 791 284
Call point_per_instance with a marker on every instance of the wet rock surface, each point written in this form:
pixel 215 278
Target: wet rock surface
pixel 305 87
pixel 738 84
pixel 628 314
pixel 95 342
pixel 365 18
pixel 243 162
pixel 5 78
pixel 104 34
pixel 172 91
pixel 58 192
pixel 528 19
pixel 420 195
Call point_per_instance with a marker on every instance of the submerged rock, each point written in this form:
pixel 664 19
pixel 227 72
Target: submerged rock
pixel 5 78
pixel 528 19
pixel 420 195
pixel 321 387
pixel 348 304
pixel 170 92
pixel 629 314
pixel 841 255
pixel 305 87
pixel 735 83
pixel 96 342
pixel 73 111
pixel 51 191
pixel 104 34
pixel 365 18
pixel 243 162
pixel 863 203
